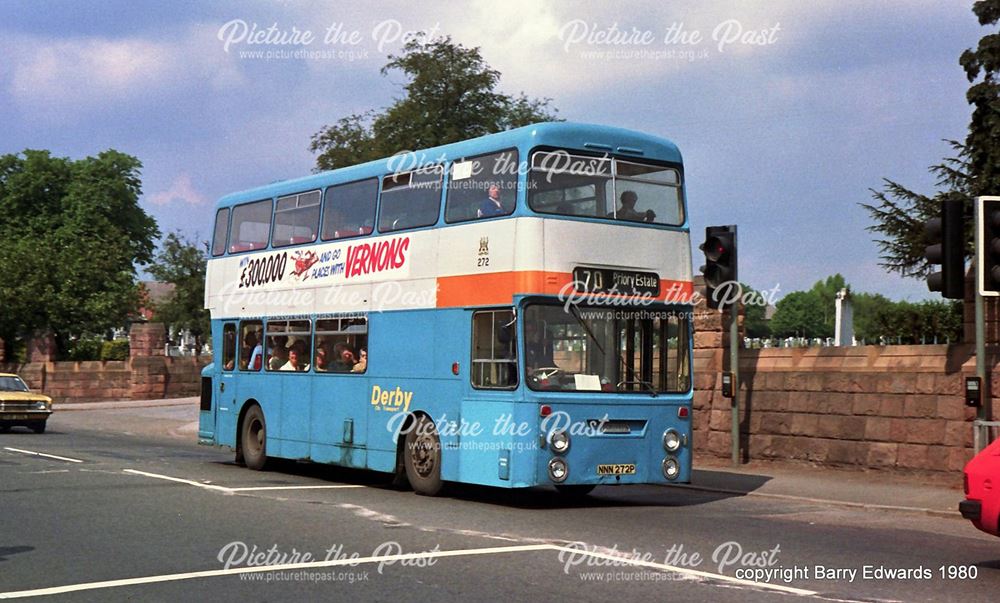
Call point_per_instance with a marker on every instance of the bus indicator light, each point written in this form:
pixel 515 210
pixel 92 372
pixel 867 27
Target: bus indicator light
pixel 545 410
pixel 454 368
pixel 682 412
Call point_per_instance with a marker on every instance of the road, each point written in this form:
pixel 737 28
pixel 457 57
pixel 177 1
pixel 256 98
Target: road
pixel 127 507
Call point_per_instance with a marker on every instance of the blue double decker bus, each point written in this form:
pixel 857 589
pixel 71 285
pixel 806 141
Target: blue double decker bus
pixel 512 310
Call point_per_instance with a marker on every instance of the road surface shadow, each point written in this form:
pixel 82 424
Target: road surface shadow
pixel 13 550
pixel 718 485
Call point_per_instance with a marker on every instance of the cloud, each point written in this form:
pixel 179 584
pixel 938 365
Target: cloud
pixel 181 191
pixel 67 77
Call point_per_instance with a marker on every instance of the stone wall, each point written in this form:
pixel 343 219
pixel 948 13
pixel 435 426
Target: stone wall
pixel 874 407
pixel 147 374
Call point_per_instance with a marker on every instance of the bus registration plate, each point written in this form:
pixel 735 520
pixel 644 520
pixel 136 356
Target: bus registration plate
pixel 620 469
pixel 616 282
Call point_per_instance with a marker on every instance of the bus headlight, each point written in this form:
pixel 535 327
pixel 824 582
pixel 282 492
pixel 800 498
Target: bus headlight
pixel 558 470
pixel 559 441
pixel 671 468
pixel 671 440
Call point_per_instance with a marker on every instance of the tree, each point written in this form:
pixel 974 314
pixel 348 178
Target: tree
pixel 809 313
pixel 877 318
pixel 71 234
pixel 755 317
pixel 899 213
pixel 451 95
pixel 182 263
pixel 799 314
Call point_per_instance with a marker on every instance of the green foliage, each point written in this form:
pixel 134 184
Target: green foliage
pixel 809 313
pixel 877 318
pixel 85 348
pixel 117 349
pixel 812 314
pixel 899 213
pixel 799 314
pixel 755 307
pixel 182 263
pixel 71 233
pixel 981 150
pixel 451 95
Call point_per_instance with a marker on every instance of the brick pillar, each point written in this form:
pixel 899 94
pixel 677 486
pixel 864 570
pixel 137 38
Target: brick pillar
pixel 147 339
pixel 711 356
pixel 147 362
pixel 3 351
pixel 42 347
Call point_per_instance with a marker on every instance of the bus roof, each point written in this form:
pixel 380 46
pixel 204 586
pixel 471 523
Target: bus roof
pixel 618 141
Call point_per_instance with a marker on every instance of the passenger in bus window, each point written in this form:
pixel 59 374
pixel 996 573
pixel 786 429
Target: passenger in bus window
pixel 279 353
pixel 323 357
pixel 362 363
pixel 297 357
pixel 491 206
pixel 252 342
pixel 537 349
pixel 628 211
pixel 345 359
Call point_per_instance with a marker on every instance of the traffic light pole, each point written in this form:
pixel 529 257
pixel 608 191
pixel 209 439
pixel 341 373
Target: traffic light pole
pixel 734 367
pixel 984 410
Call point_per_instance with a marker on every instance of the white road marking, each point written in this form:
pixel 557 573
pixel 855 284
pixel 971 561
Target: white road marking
pixel 328 487
pixel 69 588
pixel 180 480
pixel 55 590
pixel 48 456
pixel 227 490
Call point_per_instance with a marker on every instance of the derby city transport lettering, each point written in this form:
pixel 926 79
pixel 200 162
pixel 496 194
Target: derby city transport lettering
pixel 262 270
pixel 377 256
pixel 389 399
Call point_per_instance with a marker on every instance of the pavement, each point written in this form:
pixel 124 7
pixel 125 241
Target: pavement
pixel 874 490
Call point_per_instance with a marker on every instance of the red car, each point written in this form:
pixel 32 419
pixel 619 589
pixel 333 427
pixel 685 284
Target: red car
pixel 982 490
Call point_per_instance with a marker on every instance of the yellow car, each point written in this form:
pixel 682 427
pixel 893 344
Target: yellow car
pixel 18 406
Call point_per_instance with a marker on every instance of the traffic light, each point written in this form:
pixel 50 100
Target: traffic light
pixel 720 265
pixel 988 245
pixel 946 235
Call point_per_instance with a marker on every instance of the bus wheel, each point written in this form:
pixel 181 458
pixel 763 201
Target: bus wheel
pixel 38 427
pixel 422 456
pixel 575 490
pixel 253 440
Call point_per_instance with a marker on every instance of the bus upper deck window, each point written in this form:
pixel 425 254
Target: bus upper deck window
pixel 296 219
pixel 410 199
pixel 251 226
pixel 482 187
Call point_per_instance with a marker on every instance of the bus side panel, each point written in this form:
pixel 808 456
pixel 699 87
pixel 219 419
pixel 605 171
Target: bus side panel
pixel 503 451
pixel 294 418
pixel 410 357
pixel 340 418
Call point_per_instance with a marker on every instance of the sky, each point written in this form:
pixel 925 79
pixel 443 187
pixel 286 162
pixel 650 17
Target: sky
pixel 787 113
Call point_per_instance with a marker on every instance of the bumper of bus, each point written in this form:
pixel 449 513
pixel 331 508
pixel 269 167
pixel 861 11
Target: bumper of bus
pixel 620 445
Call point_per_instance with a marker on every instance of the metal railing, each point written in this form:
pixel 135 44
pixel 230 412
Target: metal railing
pixel 984 432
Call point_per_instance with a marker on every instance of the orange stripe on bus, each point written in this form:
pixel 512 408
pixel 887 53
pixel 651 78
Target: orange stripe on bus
pixel 500 287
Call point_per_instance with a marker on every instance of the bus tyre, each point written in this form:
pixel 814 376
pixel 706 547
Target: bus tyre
pixel 422 457
pixel 253 439
pixel 575 490
pixel 38 426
